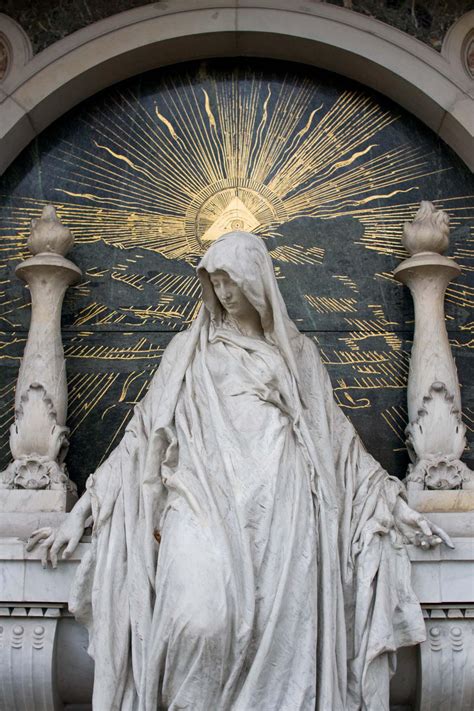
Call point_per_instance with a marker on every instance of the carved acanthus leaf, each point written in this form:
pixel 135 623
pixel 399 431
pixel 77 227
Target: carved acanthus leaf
pixel 35 428
pixel 435 442
pixel 438 430
pixel 38 445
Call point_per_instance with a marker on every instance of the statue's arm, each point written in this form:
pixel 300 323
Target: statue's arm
pixel 391 509
pixel 414 527
pixel 61 542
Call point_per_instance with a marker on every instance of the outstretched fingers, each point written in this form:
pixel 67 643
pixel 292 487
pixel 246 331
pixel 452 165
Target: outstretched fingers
pixel 50 543
pixel 442 535
pixel 43 537
pixel 425 527
pixel 431 535
pixel 41 534
pixel 71 546
pixel 55 549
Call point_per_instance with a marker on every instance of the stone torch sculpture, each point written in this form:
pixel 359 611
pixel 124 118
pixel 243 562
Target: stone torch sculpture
pixel 38 436
pixel 435 433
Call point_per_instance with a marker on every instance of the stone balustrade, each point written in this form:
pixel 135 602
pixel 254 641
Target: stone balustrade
pixel 44 664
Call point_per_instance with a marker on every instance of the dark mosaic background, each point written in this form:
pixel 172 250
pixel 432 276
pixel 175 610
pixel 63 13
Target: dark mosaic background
pixel 345 168
pixel 46 22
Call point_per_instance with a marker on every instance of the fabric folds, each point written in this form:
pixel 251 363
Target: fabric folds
pixel 280 581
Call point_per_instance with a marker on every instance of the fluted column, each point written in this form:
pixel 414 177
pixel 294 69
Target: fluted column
pixel 435 433
pixel 39 436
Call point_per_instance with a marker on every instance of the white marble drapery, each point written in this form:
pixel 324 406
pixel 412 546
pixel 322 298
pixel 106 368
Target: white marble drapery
pixel 355 572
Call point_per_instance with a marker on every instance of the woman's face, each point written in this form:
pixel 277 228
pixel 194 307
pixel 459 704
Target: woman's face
pixel 230 296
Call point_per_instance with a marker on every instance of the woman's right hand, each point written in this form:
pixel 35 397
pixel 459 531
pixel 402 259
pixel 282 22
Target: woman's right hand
pixel 51 541
pixel 63 541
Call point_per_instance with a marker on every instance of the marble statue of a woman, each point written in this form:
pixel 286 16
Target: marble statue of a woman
pixel 247 552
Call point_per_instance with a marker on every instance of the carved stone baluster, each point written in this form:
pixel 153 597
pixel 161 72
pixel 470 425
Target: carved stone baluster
pixel 436 433
pixel 38 436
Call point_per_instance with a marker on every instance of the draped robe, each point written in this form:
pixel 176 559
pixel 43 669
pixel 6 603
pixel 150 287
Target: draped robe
pixel 280 581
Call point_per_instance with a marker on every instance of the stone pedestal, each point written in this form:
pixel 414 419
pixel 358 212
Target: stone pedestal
pixel 26 501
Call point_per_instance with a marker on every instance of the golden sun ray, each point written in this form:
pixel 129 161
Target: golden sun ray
pixel 162 176
pixel 244 153
pixel 201 162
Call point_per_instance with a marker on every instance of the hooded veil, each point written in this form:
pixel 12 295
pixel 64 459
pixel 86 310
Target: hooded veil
pixel 312 571
pixel 245 258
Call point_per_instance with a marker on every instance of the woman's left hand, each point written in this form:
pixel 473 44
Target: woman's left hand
pixel 417 529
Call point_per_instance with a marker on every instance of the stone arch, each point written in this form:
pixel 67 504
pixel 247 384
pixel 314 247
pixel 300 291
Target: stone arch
pixel 43 88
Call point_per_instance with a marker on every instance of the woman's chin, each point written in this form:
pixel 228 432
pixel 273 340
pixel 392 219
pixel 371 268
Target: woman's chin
pixel 232 310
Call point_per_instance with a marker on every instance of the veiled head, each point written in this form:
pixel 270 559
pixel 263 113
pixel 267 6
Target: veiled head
pixel 244 259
